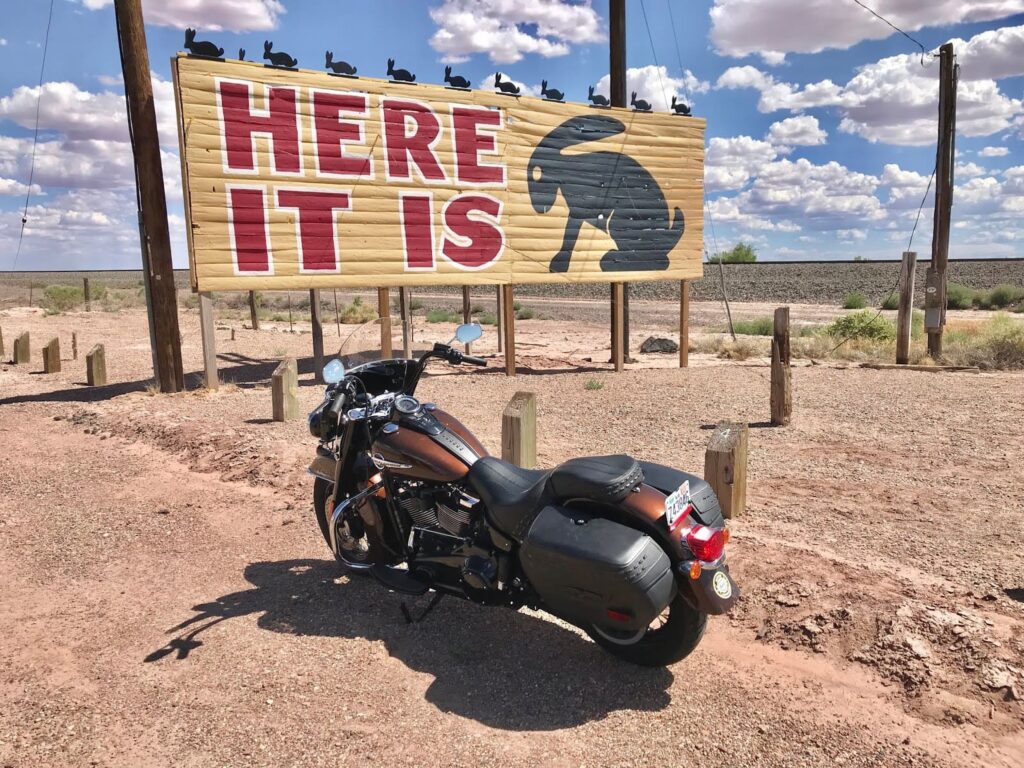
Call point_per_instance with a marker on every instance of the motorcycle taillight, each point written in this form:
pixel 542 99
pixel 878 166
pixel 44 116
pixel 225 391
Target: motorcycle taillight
pixel 707 544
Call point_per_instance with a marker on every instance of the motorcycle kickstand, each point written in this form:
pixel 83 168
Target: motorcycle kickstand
pixel 430 606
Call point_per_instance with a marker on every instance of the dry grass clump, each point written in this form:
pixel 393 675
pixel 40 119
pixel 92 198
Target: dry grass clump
pixel 997 344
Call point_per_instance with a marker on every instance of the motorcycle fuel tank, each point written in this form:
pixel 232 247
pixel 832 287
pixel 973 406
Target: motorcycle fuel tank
pixel 427 445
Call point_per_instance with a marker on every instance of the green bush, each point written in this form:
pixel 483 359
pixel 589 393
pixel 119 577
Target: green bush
pixel 443 316
pixel 476 309
pixel 892 301
pixel 1003 296
pixel 61 298
pixel 742 253
pixel 855 300
pixel 759 326
pixel 525 313
pixel 415 304
pixel 357 313
pixel 999 344
pixel 487 318
pixel 593 385
pixel 959 296
pixel 862 325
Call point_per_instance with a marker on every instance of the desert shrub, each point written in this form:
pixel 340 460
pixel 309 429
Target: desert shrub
pixel 439 315
pixel 916 324
pixel 999 343
pixel 855 300
pixel 1002 296
pixel 415 304
pixel 488 318
pixel 61 298
pixel 593 385
pixel 862 325
pixel 525 313
pixel 759 326
pixel 741 349
pixel 742 253
pixel 476 309
pixel 892 301
pixel 357 313
pixel 516 306
pixel 959 296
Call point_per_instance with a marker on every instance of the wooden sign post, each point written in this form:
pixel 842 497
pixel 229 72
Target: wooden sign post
pixel 904 317
pixel 782 375
pixel 284 390
pixel 725 467
pixel 519 430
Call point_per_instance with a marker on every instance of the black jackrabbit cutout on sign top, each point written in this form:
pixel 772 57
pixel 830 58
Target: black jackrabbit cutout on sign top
pixel 278 58
pixel 201 47
pixel 608 190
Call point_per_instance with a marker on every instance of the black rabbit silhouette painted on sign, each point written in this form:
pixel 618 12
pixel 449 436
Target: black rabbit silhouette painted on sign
pixel 402 75
pixel 608 190
pixel 505 86
pixel 455 81
pixel 639 104
pixel 201 47
pixel 680 108
pixel 597 99
pixel 550 93
pixel 338 67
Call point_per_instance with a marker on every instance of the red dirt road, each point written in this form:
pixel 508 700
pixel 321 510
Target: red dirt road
pixel 167 599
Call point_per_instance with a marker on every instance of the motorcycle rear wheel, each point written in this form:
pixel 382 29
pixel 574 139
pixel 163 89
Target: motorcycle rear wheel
pixel 667 640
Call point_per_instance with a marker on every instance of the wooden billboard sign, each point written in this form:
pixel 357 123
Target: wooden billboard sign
pixel 296 179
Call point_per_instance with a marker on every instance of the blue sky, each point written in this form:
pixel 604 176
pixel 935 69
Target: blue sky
pixel 821 120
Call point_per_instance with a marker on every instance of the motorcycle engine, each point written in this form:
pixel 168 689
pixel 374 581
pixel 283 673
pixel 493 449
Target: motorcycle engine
pixel 439 507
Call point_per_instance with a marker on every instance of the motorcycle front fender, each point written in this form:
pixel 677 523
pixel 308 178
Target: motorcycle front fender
pixel 324 465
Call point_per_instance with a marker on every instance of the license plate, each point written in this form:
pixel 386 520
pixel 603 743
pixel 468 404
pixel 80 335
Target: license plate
pixel 677 503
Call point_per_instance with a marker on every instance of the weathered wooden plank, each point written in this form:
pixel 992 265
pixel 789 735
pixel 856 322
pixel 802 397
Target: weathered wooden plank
pixel 509 318
pixel 23 349
pixel 904 316
pixel 51 356
pixel 922 368
pixel 618 312
pixel 206 329
pixel 284 390
pixel 519 430
pixel 781 388
pixel 96 367
pixel 725 467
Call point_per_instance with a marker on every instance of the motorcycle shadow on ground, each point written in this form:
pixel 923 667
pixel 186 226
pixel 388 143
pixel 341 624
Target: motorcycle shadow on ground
pixel 505 669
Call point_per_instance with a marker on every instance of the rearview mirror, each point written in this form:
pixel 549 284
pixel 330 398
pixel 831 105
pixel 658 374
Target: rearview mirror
pixel 334 371
pixel 468 332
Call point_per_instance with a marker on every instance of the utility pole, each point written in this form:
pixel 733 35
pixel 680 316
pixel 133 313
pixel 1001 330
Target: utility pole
pixel 149 178
pixel 935 282
pixel 617 71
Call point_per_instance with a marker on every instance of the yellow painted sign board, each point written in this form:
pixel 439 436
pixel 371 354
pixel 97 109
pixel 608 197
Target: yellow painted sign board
pixel 299 179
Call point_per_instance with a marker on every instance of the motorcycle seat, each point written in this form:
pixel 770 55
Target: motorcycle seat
pixel 514 496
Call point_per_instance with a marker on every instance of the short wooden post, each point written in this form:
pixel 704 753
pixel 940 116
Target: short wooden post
pixel 519 430
pixel 684 323
pixel 51 357
pixel 284 390
pixel 22 349
pixel 2 353
pixel 725 467
pixel 96 367
pixel 384 311
pixel 85 292
pixel 509 320
pixel 254 315
pixel 74 346
pixel 291 322
pixel 316 319
pixel 232 334
pixel 618 313
pixel 206 330
pixel 406 313
pixel 500 314
pixel 337 312
pixel 908 271
pixel 467 312
pixel 782 375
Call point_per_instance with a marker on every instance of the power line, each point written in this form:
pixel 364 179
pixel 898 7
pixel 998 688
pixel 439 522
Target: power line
pixel 924 51
pixel 35 138
pixel 679 55
pixel 654 54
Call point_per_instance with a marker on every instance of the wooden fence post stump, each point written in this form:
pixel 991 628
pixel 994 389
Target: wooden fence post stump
pixel 22 349
pixel 206 331
pixel 74 346
pixel 782 374
pixel 284 389
pixel 254 315
pixel 904 315
pixel 51 357
pixel 86 294
pixel 519 430
pixel 316 321
pixel 725 467
pixel 1 342
pixel 96 367
pixel 384 312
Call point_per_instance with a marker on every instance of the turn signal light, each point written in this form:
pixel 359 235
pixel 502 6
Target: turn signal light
pixel 695 570
pixel 707 544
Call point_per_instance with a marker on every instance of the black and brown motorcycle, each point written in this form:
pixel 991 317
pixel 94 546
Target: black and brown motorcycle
pixel 630 551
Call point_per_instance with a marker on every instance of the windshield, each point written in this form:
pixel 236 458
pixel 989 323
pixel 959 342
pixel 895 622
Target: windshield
pixel 361 344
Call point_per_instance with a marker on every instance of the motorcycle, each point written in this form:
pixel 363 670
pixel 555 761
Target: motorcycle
pixel 631 552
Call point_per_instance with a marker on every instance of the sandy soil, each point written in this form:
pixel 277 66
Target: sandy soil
pixel 167 599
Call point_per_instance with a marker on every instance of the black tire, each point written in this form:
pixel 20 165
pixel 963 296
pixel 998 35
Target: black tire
pixel 321 490
pixel 671 642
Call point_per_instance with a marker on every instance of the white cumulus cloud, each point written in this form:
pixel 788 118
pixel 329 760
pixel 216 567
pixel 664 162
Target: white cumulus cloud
pixel 657 87
pixel 801 131
pixel 993 152
pixel 234 15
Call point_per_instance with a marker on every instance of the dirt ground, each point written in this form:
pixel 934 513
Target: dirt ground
pixel 167 599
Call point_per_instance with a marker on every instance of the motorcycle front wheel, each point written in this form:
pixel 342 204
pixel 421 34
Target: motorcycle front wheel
pixel 671 637
pixel 356 546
